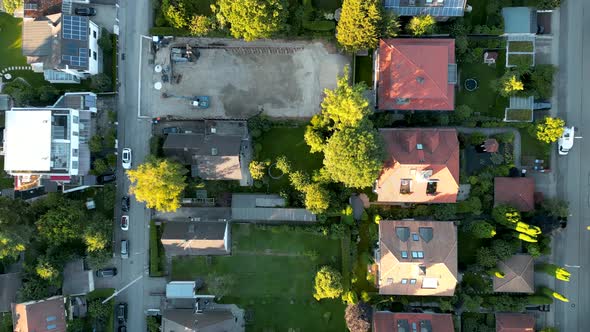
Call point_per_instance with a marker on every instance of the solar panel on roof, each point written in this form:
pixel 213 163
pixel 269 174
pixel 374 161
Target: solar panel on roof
pixel 79 60
pixel 447 8
pixel 75 27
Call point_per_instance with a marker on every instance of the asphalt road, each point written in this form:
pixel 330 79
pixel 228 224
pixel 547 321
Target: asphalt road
pixel 135 19
pixel 572 246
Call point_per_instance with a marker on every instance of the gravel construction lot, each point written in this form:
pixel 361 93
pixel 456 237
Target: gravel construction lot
pixel 282 79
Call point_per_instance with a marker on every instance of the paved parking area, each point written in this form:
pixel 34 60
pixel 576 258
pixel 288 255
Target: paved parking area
pixel 281 79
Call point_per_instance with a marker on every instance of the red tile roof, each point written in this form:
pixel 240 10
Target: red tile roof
pixel 517 192
pixel 40 316
pixel 385 321
pixel 417 69
pixel 413 152
pixel 510 322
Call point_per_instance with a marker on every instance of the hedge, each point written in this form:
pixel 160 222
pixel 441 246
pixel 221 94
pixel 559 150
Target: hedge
pixel 346 260
pixel 114 64
pixel 168 31
pixel 319 25
pixel 155 262
pixel 539 299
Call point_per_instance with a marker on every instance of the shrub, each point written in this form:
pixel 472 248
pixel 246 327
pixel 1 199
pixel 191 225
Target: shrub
pixel 100 82
pixel 257 169
pixel 95 144
pixel 444 212
pixel 328 283
pixel 486 257
pixel 550 129
pixel 421 25
pixel 507 137
pixel 482 230
pixel 477 138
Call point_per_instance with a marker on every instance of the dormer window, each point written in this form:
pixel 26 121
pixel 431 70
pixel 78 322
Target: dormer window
pixel 405 187
pixel 415 237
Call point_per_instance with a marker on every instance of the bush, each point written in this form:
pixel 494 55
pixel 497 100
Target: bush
pixel 155 263
pixel 507 137
pixel 486 257
pixel 105 42
pixel 539 299
pixel 319 25
pixel 444 212
pixel 328 283
pixel 100 82
pixel 477 138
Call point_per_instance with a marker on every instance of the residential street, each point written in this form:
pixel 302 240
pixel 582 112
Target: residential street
pixel 571 247
pixel 135 19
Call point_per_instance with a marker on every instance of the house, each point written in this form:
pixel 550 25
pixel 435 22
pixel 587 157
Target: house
pixel 10 283
pixel 213 320
pixel 511 322
pixel 422 166
pixel 519 275
pixel 77 280
pixel 385 321
pixel 416 74
pixel 417 258
pixel 44 315
pixel 50 144
pixel 61 46
pixel 196 238
pixel 442 10
pixel 518 192
pixel 266 208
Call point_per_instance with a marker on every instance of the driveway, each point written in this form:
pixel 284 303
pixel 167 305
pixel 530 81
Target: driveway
pixel 281 79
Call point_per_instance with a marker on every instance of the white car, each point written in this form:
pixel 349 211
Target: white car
pixel 566 141
pixel 125 222
pixel 126 158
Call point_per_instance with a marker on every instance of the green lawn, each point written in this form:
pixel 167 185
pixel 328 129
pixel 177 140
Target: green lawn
pixel 519 115
pixel 521 60
pixel 533 149
pixel 483 100
pixel 363 70
pixel 289 142
pixel 273 277
pixel 520 46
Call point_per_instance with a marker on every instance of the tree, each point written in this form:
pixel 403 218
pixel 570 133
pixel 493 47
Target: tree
pixel 98 259
pixel 421 25
pixel 47 94
pixel 542 81
pixel 502 249
pixel 100 82
pixel 354 156
pixel 283 164
pixel 105 41
pixel 175 15
pixel 257 169
pixel 444 211
pixel 100 166
pixel 77 325
pixel 358 317
pixel 550 129
pixel 346 105
pixel 482 230
pixel 45 270
pixel 159 183
pixel 511 85
pixel 486 257
pixel 472 303
pixel 34 289
pixel 317 198
pixel 96 235
pixel 220 285
pixel 463 113
pixel 200 25
pixel 11 5
pixel 328 283
pixel 471 205
pixel 98 311
pixel 359 25
pixel 548 4
pixel 556 208
pixel 152 324
pixel 61 224
pixel 252 19
pixel 95 144
pixel 390 26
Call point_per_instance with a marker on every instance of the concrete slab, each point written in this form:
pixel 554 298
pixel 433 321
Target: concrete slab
pixel 281 79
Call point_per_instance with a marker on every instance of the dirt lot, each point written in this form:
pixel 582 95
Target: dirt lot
pixel 283 79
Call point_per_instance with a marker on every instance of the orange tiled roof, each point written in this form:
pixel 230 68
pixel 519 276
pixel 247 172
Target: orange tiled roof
pixel 40 316
pixel 517 192
pixel 385 321
pixel 510 322
pixel 419 155
pixel 416 69
pixel 403 272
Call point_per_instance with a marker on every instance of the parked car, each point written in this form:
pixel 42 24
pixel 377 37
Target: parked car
pixel 122 328
pixel 85 11
pixel 170 130
pixel 124 249
pixel 566 141
pixel 106 178
pixel 126 158
pixel 125 203
pixel 122 312
pixel 125 222
pixel 106 273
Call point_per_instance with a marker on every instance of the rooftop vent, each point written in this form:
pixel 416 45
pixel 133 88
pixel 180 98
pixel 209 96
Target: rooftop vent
pixel 403 233
pixel 402 101
pixel 426 233
pixel 213 151
pixel 420 80
pixel 425 175
pixel 213 130
pixel 419 146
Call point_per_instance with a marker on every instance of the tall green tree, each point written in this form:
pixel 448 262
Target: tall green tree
pixel 252 19
pixel 550 129
pixel 328 283
pixel 354 156
pixel 159 183
pixel 62 224
pixel 16 227
pixel 359 25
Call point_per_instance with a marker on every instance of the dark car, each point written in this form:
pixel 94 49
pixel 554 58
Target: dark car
pixel 122 328
pixel 86 11
pixel 170 130
pixel 107 273
pixel 106 178
pixel 122 312
pixel 125 203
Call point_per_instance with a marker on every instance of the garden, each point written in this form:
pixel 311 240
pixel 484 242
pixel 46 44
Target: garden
pixel 270 274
